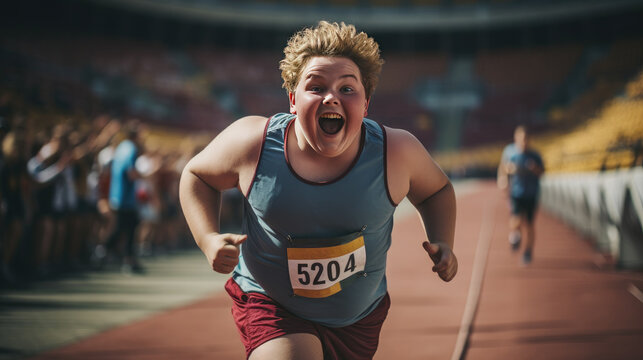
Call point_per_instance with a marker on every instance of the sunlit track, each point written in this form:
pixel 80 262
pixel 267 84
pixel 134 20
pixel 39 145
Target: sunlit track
pixel 477 279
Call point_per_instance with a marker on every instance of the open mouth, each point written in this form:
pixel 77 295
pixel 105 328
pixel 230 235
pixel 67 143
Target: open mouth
pixel 331 124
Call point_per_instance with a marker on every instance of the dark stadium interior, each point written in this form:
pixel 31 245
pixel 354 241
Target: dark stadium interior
pixel 460 75
pixel 496 74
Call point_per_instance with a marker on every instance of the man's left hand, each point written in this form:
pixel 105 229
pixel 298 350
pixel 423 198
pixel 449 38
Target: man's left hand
pixel 446 264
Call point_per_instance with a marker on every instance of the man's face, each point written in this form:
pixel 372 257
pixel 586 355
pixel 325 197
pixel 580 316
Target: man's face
pixel 521 140
pixel 330 103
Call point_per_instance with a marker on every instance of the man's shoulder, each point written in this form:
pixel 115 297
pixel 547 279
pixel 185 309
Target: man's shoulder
pixel 126 145
pixel 124 149
pixel 249 122
pixel 246 130
pixel 508 151
pixel 402 145
pixel 397 134
pixel 239 140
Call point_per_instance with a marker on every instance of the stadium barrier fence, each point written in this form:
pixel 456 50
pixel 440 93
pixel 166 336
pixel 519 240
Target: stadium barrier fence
pixel 607 207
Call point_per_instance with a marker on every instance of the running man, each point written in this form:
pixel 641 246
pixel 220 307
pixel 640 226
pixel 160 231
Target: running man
pixel 320 186
pixel 519 172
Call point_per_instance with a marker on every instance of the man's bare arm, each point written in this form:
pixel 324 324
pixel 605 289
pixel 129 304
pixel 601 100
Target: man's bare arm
pixel 227 162
pixel 432 194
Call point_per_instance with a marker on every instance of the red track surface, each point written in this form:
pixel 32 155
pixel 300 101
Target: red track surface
pixel 563 306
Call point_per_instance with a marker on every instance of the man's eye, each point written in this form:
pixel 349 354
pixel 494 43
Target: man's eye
pixel 347 89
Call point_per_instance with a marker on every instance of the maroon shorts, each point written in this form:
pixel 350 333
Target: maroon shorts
pixel 259 319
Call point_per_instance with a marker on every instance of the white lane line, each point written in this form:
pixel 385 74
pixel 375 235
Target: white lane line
pixel 477 277
pixel 636 292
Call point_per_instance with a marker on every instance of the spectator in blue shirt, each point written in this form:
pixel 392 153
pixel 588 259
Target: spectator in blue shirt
pixel 122 197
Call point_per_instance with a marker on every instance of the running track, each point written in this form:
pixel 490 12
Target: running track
pixel 566 305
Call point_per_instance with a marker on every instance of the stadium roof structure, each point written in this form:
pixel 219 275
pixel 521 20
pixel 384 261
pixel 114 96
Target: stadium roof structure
pixel 401 15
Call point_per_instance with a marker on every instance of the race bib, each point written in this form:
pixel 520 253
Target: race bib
pixel 321 271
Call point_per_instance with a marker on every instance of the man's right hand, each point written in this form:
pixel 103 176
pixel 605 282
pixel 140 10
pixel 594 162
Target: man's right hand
pixel 223 251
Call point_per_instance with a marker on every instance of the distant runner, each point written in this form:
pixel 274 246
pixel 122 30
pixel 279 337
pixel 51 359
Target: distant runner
pixel 519 172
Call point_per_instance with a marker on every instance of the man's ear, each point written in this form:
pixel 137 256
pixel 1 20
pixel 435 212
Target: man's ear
pixel 366 107
pixel 291 100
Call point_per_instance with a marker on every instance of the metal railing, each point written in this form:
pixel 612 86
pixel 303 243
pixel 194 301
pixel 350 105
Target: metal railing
pixel 605 206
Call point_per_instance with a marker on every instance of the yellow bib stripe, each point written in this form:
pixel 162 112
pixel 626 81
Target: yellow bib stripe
pixel 325 253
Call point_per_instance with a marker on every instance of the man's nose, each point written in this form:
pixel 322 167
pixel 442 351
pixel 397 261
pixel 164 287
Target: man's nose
pixel 331 98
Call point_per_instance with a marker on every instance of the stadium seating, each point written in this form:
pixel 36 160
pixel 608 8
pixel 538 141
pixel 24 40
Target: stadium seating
pixel 206 88
pixel 600 129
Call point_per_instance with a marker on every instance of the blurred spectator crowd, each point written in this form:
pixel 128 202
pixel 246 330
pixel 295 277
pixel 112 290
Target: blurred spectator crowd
pixel 54 209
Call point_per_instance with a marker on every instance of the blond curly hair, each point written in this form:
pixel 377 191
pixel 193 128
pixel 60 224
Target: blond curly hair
pixel 331 39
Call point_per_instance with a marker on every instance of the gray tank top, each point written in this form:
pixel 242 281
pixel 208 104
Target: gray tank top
pixel 318 249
